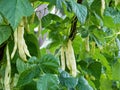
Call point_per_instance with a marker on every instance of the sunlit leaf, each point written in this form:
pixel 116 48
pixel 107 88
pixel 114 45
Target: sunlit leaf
pixel 105 84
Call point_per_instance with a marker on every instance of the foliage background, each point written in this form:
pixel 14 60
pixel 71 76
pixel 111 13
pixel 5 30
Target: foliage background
pixel 95 37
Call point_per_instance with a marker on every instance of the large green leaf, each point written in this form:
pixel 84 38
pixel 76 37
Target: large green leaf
pixel 67 80
pixel 5 32
pixel 14 10
pixel 48 82
pixel 79 10
pixel 83 84
pixel 27 76
pixel 116 71
pixel 49 63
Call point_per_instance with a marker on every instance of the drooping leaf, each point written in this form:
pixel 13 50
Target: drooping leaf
pixel 14 10
pixel 27 76
pixel 5 32
pixel 79 10
pixel 49 63
pixel 48 82
pixel 67 80
pixel 83 84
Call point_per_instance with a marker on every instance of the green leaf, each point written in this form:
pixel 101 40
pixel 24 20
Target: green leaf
pixel 48 82
pixel 1 19
pixel 30 86
pixel 95 69
pixel 113 15
pixel 103 61
pixel 83 84
pixel 27 76
pixel 59 3
pixel 5 32
pixel 67 80
pixel 49 18
pixel 76 44
pixel 33 60
pixel 14 10
pixel 96 7
pixel 49 63
pixel 105 83
pixel 33 44
pixel 84 32
pixel 79 10
pixel 109 22
pixel 53 2
pixel 21 65
pixel 116 71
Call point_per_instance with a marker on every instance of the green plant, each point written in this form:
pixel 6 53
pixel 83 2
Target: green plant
pixel 84 48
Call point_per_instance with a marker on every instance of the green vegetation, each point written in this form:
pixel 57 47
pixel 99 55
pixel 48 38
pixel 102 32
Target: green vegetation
pixel 83 52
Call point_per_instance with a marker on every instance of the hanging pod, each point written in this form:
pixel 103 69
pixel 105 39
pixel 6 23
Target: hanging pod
pixel 20 43
pixel 70 59
pixel 62 58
